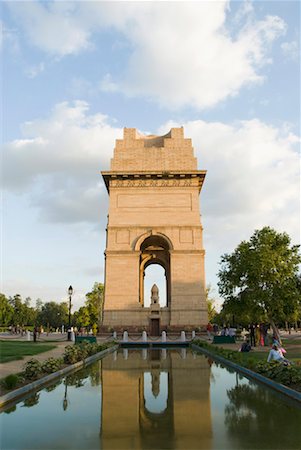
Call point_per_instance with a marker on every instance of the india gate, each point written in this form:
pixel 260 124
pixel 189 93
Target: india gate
pixel 154 218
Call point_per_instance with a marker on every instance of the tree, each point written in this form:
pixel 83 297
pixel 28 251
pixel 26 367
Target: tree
pixel 94 303
pixel 210 304
pixel 39 305
pixel 81 318
pixel 53 314
pixel 19 313
pixel 260 277
pixel 6 311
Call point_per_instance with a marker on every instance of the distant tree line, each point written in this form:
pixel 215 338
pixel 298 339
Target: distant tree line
pixel 15 311
pixel 259 282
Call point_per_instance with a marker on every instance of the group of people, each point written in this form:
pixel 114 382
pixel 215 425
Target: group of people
pixel 213 329
pixel 258 334
pixel 276 353
pixel 17 329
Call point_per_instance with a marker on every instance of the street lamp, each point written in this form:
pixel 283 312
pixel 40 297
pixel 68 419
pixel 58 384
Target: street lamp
pixel 70 292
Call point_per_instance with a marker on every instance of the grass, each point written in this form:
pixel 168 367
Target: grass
pixel 13 350
pixel 288 342
pixel 292 355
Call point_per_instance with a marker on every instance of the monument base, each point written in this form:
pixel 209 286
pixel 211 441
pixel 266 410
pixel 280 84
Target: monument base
pixel 138 320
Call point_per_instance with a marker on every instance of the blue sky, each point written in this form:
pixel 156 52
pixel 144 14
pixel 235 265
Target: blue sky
pixel 76 73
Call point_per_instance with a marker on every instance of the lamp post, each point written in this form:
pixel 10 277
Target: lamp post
pixel 70 292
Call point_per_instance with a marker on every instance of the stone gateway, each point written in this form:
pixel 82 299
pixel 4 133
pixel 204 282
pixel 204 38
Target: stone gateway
pixel 154 218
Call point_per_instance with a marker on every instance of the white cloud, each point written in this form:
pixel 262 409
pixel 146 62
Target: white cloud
pixel 180 54
pixel 52 27
pixel 58 162
pixel 183 55
pixel 253 179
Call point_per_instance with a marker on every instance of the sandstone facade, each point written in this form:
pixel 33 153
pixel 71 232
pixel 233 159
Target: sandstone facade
pixel 154 217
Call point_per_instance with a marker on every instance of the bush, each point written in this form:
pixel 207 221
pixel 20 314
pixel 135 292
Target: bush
pixel 52 365
pixel 281 373
pixel 32 369
pixel 11 381
pixel 288 375
pixel 75 353
pixel 72 354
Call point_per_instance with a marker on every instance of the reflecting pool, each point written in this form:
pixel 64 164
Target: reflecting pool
pixel 153 399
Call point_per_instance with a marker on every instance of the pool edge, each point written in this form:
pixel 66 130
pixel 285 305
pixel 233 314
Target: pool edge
pixel 291 393
pixel 35 385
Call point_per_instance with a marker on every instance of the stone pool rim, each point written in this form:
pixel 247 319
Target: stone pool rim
pixel 17 394
pixel 280 388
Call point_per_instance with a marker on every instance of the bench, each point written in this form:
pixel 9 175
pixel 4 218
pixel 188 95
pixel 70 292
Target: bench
pixel 90 339
pixel 223 340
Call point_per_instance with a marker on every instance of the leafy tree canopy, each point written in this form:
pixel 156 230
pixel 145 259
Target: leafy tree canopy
pixel 53 314
pixel 94 303
pixel 6 311
pixel 210 304
pixel 81 318
pixel 260 278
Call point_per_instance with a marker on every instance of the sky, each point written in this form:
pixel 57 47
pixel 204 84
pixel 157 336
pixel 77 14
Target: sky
pixel 75 73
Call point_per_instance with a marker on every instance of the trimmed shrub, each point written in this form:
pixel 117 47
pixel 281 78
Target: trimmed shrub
pixel 11 381
pixel 52 365
pixel 287 375
pixel 32 369
pixel 75 353
pixel 72 354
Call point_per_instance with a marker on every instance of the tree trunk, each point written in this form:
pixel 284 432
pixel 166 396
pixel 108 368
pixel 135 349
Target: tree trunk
pixel 275 331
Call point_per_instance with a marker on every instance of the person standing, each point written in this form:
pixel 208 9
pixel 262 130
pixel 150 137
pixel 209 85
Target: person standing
pixel 209 330
pixel 252 335
pixel 257 334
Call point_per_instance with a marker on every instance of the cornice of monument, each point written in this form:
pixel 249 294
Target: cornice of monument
pixel 198 175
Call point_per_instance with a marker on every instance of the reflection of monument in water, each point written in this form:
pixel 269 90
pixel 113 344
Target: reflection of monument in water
pixel 155 396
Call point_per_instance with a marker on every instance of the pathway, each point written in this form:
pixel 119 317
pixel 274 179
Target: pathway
pixel 17 366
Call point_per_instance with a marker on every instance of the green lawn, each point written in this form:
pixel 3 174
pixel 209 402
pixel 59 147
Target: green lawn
pixel 13 350
pixel 288 342
pixel 292 355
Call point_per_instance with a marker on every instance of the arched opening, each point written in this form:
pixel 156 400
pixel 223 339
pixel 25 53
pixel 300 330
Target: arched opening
pixel 155 391
pixel 155 274
pixel 155 251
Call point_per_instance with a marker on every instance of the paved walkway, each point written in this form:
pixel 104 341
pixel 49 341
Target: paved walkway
pixel 17 366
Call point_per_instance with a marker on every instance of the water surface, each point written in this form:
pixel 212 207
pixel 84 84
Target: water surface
pixel 153 399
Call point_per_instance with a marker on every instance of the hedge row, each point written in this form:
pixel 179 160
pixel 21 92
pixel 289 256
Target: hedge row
pixel 33 369
pixel 289 375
